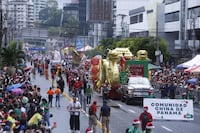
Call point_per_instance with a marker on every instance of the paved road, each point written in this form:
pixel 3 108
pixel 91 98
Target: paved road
pixel 121 118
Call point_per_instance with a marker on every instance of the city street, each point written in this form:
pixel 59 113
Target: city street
pixel 121 115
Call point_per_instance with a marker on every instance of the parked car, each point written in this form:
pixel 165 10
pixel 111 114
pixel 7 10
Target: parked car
pixel 136 89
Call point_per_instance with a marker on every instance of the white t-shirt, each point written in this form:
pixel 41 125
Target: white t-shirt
pixel 74 108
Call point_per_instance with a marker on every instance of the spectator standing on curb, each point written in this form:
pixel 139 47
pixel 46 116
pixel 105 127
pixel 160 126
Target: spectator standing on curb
pixel 88 94
pixel 74 109
pixel 105 114
pixel 134 127
pixel 145 117
pixel 93 116
pixel 57 92
pixel 50 93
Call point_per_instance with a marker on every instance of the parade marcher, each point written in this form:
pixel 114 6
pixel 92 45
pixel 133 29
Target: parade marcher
pixel 74 109
pixel 145 117
pixel 122 62
pixel 57 92
pixel 93 116
pixel 88 94
pixel 149 128
pixel 134 127
pixel 50 93
pixel 105 114
pixel 61 84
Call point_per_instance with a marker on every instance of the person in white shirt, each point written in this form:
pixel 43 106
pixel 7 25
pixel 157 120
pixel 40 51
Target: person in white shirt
pixel 74 109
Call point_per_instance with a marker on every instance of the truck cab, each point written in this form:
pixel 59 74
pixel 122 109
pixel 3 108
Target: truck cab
pixel 135 89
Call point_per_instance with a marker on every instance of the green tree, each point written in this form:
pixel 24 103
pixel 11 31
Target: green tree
pixel 70 28
pixel 12 55
pixel 142 43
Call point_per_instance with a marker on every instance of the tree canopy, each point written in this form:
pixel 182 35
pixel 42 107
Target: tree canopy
pixel 135 44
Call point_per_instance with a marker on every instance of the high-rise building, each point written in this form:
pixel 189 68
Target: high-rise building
pixel 83 26
pixel 100 19
pixel 38 6
pixel 20 14
pixel 100 10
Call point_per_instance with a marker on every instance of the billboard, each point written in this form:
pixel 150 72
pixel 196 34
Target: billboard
pixel 170 109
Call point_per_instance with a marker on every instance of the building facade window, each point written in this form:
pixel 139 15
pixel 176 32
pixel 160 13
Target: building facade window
pixel 170 1
pixel 170 17
pixel 136 19
pixel 194 11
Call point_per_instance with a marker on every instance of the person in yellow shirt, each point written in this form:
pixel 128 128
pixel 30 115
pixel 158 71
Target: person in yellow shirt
pixel 11 119
pixel 36 118
pixel 57 92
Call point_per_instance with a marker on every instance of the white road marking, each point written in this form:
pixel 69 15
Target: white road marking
pixel 170 130
pixel 119 105
pixel 132 111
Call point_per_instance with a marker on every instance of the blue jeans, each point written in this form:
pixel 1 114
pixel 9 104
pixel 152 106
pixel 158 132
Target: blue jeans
pixel 46 118
pixel 57 101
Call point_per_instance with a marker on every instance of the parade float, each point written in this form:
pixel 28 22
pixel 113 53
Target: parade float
pixel 108 71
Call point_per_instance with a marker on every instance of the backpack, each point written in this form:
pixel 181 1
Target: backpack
pixel 90 111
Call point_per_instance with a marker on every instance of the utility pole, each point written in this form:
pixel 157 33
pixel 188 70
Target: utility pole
pixel 194 47
pixel 157 52
pixel 1 23
pixel 122 24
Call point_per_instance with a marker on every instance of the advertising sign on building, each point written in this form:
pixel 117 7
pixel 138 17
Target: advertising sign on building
pixel 170 109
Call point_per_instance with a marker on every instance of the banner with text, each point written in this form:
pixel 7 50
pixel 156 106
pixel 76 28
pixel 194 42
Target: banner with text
pixel 170 109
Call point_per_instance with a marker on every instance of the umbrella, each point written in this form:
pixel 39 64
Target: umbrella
pixel 17 91
pixel 192 81
pixel 14 86
pixel 27 68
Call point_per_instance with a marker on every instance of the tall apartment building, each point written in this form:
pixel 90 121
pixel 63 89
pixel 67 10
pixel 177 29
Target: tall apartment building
pixel 38 6
pixel 20 14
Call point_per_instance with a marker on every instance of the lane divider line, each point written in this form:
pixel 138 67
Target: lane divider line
pixel 132 111
pixel 166 128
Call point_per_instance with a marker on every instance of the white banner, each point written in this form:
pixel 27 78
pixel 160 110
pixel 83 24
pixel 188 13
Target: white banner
pixel 170 109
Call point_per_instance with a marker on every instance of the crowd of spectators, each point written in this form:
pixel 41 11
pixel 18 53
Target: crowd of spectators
pixel 176 83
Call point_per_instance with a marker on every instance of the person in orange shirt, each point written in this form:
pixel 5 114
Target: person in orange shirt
pixel 50 93
pixel 57 92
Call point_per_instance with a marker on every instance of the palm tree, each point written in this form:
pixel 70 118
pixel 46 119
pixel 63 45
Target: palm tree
pixel 12 55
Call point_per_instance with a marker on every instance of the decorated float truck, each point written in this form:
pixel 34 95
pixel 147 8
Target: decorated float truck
pixel 108 70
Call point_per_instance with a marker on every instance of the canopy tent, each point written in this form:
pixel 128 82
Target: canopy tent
pixel 196 70
pixel 152 66
pixel 193 62
pixel 190 69
pixel 86 48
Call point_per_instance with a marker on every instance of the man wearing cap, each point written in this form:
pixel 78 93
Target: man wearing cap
pixel 145 117
pixel 134 127
pixel 149 128
pixel 105 114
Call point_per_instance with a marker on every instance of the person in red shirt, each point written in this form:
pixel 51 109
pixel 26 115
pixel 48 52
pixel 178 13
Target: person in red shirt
pixel 123 62
pixel 93 116
pixel 145 117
